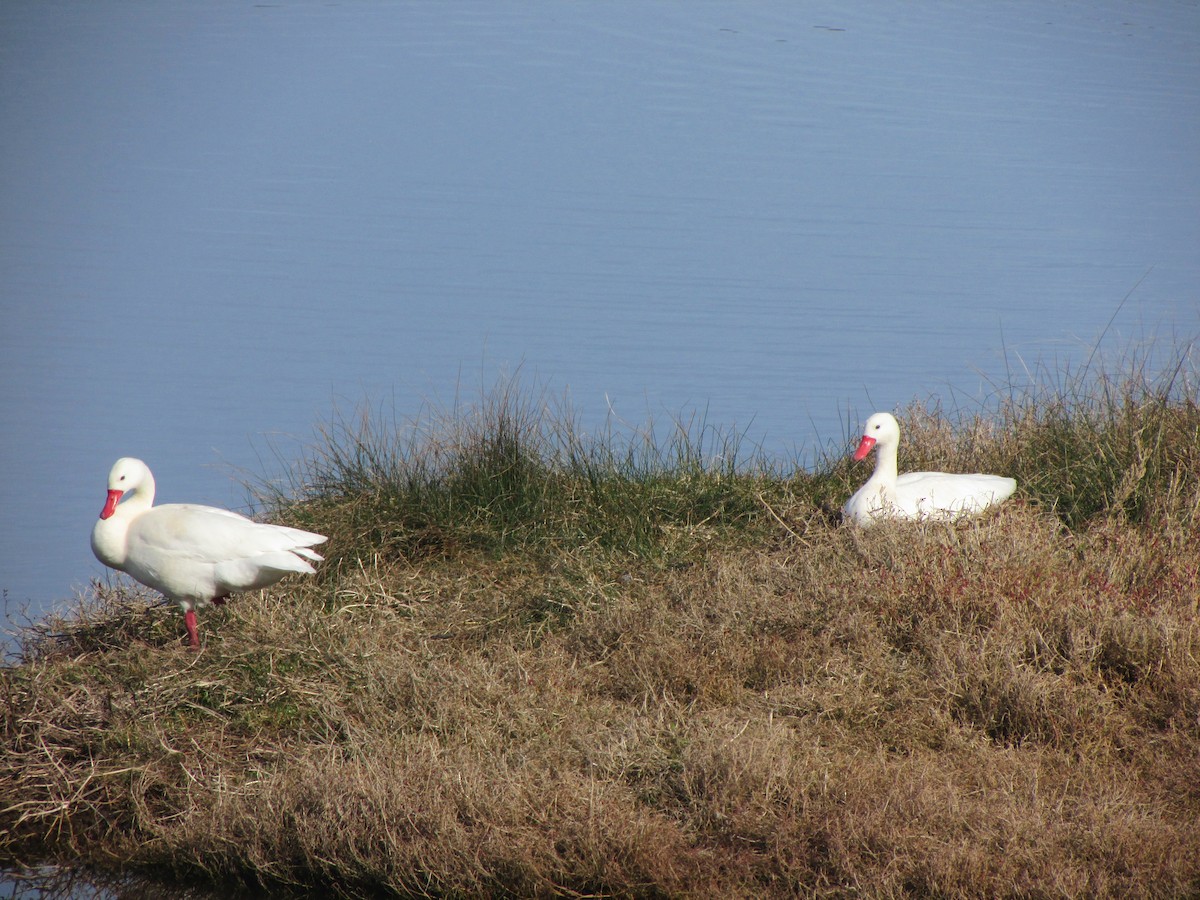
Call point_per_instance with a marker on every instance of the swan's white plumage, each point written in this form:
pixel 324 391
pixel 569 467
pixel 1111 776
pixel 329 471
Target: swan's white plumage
pixel 916 495
pixel 192 554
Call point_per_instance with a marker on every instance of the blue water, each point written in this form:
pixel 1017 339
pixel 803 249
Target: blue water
pixel 222 222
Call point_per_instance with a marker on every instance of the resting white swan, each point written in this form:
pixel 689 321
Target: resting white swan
pixel 195 555
pixel 916 495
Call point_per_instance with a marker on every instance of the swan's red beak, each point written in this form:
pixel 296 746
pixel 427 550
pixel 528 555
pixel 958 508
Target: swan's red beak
pixel 865 446
pixel 110 505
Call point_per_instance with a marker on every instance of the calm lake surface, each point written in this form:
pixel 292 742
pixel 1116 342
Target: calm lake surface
pixel 222 223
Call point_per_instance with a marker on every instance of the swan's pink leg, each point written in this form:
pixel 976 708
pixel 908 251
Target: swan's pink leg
pixel 189 619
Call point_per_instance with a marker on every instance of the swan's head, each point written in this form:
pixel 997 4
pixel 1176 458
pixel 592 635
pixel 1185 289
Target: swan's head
pixel 881 428
pixel 128 474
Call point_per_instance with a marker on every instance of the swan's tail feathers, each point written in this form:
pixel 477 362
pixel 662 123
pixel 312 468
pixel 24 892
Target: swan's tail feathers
pixel 300 537
pixel 308 554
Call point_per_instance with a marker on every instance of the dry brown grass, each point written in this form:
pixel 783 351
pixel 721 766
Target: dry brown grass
pixel 774 706
pixel 1002 708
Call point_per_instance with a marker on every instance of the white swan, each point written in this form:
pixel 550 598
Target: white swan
pixel 916 495
pixel 195 555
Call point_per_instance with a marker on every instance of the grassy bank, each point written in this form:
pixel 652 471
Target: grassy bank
pixel 542 663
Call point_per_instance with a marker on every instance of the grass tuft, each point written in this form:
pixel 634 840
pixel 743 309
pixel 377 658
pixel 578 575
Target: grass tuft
pixel 515 475
pixel 1110 439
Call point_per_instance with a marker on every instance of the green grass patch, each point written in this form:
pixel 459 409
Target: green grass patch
pixel 516 475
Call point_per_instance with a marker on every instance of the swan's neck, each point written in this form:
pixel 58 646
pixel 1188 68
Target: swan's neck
pixel 885 474
pixel 136 501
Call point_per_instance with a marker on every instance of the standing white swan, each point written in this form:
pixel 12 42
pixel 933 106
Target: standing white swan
pixel 916 495
pixel 195 555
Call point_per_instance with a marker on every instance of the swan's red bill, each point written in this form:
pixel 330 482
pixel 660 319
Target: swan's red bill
pixel 110 505
pixel 865 446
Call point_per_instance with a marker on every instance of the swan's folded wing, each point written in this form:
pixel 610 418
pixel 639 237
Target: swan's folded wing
pixel 211 535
